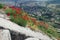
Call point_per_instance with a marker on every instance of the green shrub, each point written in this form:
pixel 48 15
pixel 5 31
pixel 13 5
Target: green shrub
pixel 19 21
pixel 10 11
pixel 1 6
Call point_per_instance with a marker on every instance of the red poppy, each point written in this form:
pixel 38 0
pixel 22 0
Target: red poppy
pixel 14 15
pixel 18 10
pixel 8 14
pixel 12 7
pixel 25 17
pixel 33 19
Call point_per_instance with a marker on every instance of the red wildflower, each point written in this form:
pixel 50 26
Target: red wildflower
pixel 17 11
pixel 44 24
pixel 25 17
pixel 33 19
pixel 14 15
pixel 12 7
pixel 8 14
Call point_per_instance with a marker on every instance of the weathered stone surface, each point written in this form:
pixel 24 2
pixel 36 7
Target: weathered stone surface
pixel 5 35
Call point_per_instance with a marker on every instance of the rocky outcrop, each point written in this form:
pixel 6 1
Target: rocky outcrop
pixel 21 30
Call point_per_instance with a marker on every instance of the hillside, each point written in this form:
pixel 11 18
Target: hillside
pixel 22 18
